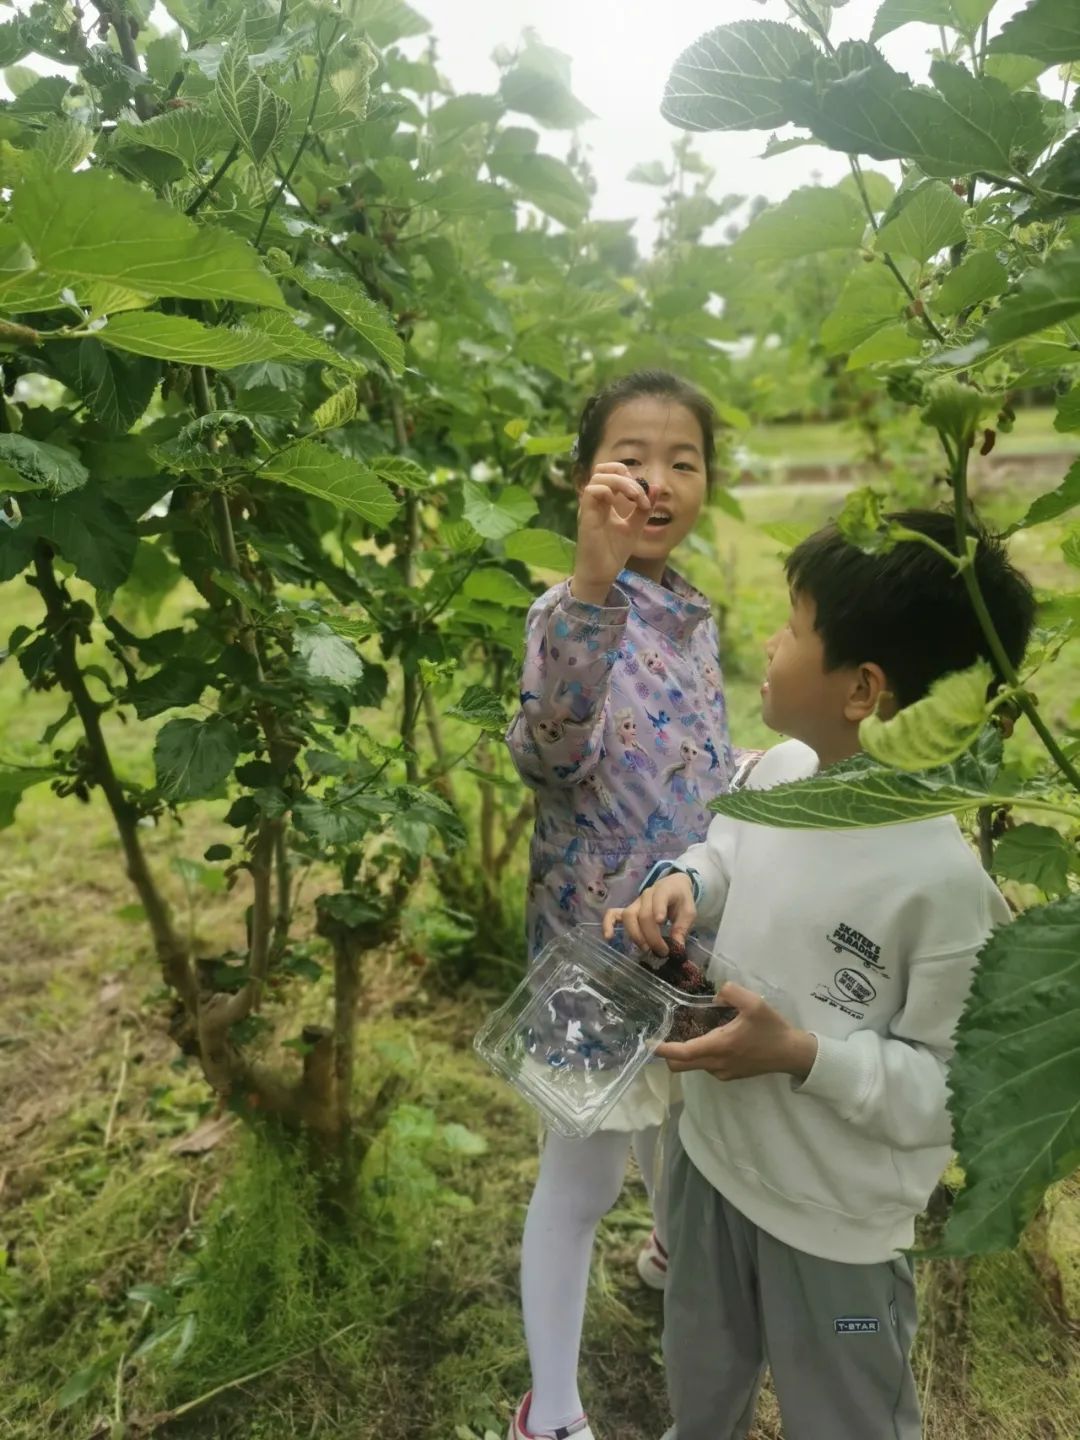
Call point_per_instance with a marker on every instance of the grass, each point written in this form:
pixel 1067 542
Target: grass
pixel 406 1328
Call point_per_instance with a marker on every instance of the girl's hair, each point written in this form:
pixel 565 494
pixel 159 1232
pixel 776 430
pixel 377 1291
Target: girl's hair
pixel 642 384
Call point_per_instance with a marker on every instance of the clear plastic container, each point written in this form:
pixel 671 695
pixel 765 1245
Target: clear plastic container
pixel 578 1030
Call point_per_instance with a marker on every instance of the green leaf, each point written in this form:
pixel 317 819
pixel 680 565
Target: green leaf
pixel 1014 1095
pixel 936 729
pixel 1045 297
pixel 931 218
pixel 91 225
pixel 1047 30
pixel 27 464
pixel 461 112
pixel 93 533
pixel 83 1382
pixel 870 300
pixel 810 220
pixel 311 467
pixel 401 471
pixel 497 587
pixel 179 683
pixel 978 277
pixel 542 550
pixel 1068 411
pixel 955 408
pixel 187 342
pixel 190 134
pixel 462 1141
pixel 885 347
pixel 734 77
pixel 255 115
pixel 481 706
pixel 894 14
pixel 546 182
pixel 962 125
pixel 324 655
pixel 548 444
pixel 116 390
pixel 1035 855
pixel 337 410
pixel 650 172
pixel 295 342
pixel 193 758
pixel 367 319
pixel 332 822
pixel 538 85
pixel 14 782
pixel 861 792
pixel 1055 502
pixel 64 144
pixel 862 521
pixel 496 519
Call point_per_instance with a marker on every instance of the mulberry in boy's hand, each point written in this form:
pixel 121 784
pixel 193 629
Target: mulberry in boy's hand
pixel 682 974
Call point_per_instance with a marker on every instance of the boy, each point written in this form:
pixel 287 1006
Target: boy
pixel 794 1192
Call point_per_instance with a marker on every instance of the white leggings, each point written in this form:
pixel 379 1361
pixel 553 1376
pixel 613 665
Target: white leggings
pixel 579 1182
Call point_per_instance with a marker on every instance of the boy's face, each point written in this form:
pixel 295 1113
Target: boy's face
pixel 804 700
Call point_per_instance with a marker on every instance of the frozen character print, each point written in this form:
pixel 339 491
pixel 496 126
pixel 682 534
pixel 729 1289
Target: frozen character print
pixel 634 755
pixel 714 758
pixel 679 778
pixel 654 664
pixel 566 897
pixel 580 709
pixel 659 723
pixel 598 887
pixel 661 822
pixel 597 791
pixel 713 691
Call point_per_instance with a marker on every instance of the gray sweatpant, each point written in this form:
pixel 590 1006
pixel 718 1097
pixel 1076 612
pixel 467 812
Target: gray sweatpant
pixel 836 1337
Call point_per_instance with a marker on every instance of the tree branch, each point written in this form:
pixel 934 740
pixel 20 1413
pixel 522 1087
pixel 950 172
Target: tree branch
pixel 918 305
pixel 214 180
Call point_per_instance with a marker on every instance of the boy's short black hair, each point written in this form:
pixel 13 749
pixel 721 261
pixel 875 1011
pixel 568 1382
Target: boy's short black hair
pixel 908 609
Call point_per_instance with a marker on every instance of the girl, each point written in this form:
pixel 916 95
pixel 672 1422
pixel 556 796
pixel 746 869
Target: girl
pixel 621 713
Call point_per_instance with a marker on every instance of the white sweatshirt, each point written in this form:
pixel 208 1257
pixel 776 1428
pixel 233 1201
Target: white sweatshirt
pixel 871 935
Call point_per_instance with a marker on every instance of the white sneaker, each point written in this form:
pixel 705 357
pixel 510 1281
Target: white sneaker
pixel 652 1263
pixel 580 1429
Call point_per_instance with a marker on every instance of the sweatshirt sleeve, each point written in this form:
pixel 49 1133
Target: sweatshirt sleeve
pixel 570 649
pixel 892 1087
pixel 709 863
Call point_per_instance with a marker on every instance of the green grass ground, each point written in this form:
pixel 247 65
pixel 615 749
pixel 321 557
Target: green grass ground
pixel 418 1336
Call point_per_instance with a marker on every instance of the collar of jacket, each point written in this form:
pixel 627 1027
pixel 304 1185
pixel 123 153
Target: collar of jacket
pixel 675 608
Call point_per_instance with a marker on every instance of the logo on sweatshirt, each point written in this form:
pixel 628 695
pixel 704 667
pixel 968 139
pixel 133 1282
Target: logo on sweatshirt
pixel 856 1325
pixel 854 987
pixel 847 938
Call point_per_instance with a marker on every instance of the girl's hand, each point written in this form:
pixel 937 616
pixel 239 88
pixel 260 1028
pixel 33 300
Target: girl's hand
pixel 671 898
pixel 612 514
pixel 759 1041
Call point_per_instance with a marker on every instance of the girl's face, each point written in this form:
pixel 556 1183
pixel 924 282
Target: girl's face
pixel 660 441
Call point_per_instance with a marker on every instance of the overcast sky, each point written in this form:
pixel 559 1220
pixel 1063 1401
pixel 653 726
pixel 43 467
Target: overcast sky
pixel 622 51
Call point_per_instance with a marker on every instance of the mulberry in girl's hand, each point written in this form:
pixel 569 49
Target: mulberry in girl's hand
pixel 643 483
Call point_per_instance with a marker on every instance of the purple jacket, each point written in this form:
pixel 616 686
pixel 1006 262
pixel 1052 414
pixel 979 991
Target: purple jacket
pixel 622 733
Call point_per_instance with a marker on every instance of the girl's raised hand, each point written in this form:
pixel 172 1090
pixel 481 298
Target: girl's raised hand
pixel 612 514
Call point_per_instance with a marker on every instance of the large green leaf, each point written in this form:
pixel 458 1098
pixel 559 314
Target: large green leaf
pixel 193 758
pixel 931 218
pixel 116 390
pixel 91 532
pixel 1067 418
pixel 1015 1078
pixel 870 300
pixel 1045 297
pixel 538 89
pixel 179 683
pixel 295 342
pixel 860 792
pixel 187 342
pixel 14 782
pixel 497 587
pixel 1055 502
pixel 255 115
pixel 541 549
pixel 325 655
pixel 965 123
pixel 545 182
pixel 27 464
pixel 963 15
pixel 481 706
pixel 496 519
pixel 1035 855
pixel 809 220
pixel 311 467
pixel 190 134
pixel 980 276
pixel 368 319
pixel 92 225
pixel 1047 30
pixel 733 78
pixel 936 729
